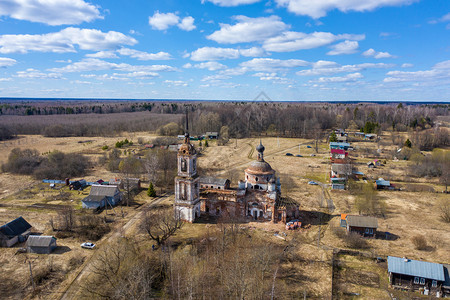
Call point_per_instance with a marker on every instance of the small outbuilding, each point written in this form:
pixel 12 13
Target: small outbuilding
pixel 382 184
pixel 41 244
pixel 364 225
pixel 13 232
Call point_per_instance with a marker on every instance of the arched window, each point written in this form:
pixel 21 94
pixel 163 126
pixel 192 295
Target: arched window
pixel 256 178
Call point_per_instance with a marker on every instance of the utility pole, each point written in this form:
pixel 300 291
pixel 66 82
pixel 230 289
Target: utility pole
pixel 31 276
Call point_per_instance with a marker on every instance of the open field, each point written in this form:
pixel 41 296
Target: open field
pixel 306 270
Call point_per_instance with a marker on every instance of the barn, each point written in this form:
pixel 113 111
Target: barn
pixel 13 232
pixel 101 195
pixel 41 244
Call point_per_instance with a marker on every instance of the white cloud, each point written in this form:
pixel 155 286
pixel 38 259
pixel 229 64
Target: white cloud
pixel 7 62
pixel 270 64
pixel 187 24
pixel 215 78
pixel 248 30
pixel 64 41
pixel 273 77
pixel 211 53
pixel 292 41
pixel 444 19
pixel 35 74
pixel 214 53
pixel 440 71
pixel 252 52
pixel 103 54
pixel 347 78
pixel 407 65
pixel 210 65
pixel 162 21
pixel 228 3
pixel 51 12
pixel 376 54
pixel 140 55
pixel 319 8
pixel 323 67
pixel 93 64
pixel 176 82
pixel 346 47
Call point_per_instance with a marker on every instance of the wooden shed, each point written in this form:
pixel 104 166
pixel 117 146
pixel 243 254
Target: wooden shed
pixel 364 225
pixel 41 244
pixel 13 232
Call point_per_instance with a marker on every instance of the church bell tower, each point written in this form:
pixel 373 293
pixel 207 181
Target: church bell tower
pixel 187 186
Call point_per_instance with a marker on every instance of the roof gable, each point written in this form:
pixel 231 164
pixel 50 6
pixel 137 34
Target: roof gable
pixel 104 190
pixel 40 240
pixel 362 221
pixel 15 227
pixel 417 268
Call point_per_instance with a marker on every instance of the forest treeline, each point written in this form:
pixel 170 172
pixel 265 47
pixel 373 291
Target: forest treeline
pixel 242 119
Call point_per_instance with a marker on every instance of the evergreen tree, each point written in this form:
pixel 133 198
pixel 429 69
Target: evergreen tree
pixel 408 143
pixel 333 137
pixel 151 190
pixel 206 143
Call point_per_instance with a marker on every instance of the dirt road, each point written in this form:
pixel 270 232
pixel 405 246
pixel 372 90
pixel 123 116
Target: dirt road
pixel 72 290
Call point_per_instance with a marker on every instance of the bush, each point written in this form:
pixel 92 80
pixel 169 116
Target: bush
pixel 420 243
pixel 105 147
pixel 355 241
pixel 171 129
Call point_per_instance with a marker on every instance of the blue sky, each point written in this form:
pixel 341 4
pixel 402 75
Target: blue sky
pixel 302 50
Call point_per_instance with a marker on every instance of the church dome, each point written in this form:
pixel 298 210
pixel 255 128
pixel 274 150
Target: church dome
pixel 260 147
pixel 187 148
pixel 260 168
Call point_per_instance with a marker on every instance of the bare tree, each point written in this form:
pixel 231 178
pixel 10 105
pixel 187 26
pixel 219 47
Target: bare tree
pixel 160 224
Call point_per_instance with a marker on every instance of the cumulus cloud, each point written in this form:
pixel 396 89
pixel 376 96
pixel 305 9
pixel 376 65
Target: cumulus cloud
pixel 51 12
pixel 320 8
pixel 210 65
pixel 7 62
pixel 271 65
pixel 372 53
pixel 140 55
pixel 440 71
pixel 347 78
pixel 407 65
pixel 35 74
pixel 213 53
pixel 94 64
pixel 229 3
pixel 64 41
pixel 292 41
pixel 323 67
pixel 103 54
pixel 346 47
pixel 248 30
pixel 187 24
pixel 273 77
pixel 176 83
pixel 162 21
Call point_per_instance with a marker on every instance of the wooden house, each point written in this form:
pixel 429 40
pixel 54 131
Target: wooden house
pixel 382 184
pixel 102 195
pixel 41 244
pixel 13 232
pixel 413 275
pixel 364 225
pixel 132 183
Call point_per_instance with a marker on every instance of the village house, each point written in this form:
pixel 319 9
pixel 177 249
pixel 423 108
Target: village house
pixel 364 225
pixel 102 195
pixel 341 170
pixel 13 232
pixel 41 244
pixel 257 197
pixel 338 145
pixel 416 275
pixel 382 184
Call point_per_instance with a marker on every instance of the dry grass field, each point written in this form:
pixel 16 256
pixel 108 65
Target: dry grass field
pixel 308 271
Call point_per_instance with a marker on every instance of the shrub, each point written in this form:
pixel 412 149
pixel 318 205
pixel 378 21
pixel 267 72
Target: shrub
pixel 420 243
pixel 355 241
pixel 105 147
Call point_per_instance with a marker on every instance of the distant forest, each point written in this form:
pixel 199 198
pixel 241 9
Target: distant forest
pixel 233 119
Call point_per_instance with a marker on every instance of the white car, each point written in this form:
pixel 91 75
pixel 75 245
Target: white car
pixel 88 245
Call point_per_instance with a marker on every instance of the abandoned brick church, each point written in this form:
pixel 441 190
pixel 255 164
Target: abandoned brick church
pixel 257 197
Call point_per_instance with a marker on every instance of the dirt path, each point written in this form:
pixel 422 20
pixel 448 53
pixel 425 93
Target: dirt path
pixel 72 290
